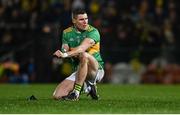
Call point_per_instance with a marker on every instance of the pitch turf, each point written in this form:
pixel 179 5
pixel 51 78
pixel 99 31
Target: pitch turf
pixel 119 99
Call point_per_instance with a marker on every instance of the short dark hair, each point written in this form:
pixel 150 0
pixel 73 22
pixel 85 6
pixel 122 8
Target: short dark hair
pixel 78 11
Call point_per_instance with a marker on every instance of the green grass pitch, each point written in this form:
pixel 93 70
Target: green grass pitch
pixel 115 99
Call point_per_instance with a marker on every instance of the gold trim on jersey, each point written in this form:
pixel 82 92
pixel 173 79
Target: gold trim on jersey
pixel 95 48
pixel 89 28
pixel 68 30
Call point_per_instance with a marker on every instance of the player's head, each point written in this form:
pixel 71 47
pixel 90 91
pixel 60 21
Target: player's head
pixel 80 19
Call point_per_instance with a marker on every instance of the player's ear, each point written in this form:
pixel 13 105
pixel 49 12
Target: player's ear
pixel 73 20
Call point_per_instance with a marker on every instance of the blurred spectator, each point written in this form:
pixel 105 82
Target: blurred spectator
pixel 10 72
pixel 78 4
pixel 108 73
pixel 125 73
pixel 161 71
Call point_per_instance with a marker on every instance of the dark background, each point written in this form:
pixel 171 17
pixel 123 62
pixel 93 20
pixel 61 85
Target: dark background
pixel 136 33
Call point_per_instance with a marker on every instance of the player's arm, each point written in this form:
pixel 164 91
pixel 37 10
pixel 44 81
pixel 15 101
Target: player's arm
pixel 65 48
pixel 92 38
pixel 86 43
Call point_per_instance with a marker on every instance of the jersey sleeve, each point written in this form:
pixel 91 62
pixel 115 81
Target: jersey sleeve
pixel 64 41
pixel 94 35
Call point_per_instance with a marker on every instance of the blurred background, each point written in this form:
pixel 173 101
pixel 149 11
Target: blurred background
pixel 139 40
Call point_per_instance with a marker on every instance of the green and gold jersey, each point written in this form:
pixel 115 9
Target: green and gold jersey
pixel 74 38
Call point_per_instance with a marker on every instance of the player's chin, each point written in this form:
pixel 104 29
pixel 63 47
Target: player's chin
pixel 84 28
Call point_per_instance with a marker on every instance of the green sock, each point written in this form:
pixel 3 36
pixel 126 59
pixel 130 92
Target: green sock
pixel 77 88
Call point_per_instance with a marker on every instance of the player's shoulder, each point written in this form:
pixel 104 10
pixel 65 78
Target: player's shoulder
pixel 67 30
pixel 91 28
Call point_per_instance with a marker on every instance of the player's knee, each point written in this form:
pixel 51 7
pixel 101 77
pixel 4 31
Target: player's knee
pixel 59 94
pixel 55 96
pixel 83 57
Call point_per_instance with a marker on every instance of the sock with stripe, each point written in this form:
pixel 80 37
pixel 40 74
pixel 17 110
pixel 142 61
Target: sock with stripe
pixel 77 88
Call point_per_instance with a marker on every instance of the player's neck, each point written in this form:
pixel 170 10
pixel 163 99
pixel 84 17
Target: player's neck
pixel 80 30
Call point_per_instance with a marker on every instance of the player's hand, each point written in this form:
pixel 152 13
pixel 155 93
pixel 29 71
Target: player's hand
pixel 58 53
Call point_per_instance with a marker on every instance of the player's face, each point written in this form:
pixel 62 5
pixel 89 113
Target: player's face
pixel 81 21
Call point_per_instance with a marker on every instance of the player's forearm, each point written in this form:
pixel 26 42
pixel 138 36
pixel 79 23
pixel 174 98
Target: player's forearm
pixel 80 49
pixel 65 48
pixel 76 51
